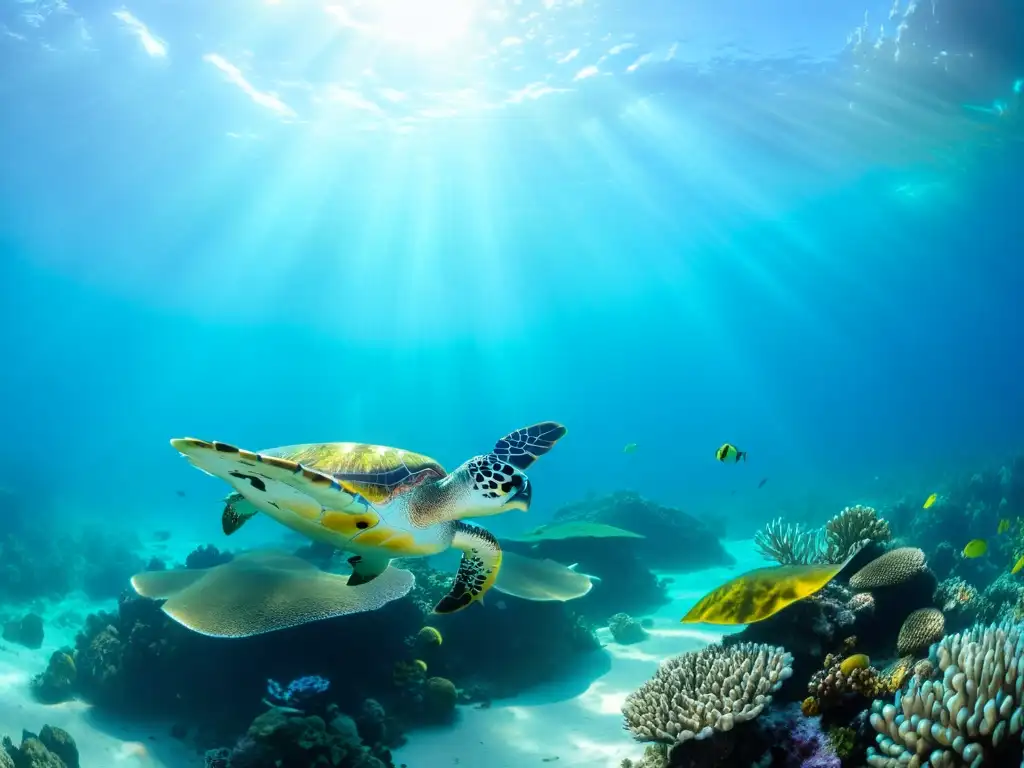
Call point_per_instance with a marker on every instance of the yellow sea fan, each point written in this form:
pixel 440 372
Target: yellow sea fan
pixel 756 595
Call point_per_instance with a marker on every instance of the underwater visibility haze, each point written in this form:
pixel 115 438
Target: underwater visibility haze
pixel 622 314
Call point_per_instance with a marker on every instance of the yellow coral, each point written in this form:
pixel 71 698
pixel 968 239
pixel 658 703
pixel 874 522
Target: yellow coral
pixel 857 661
pixel 894 675
pixel 428 636
pixel 809 706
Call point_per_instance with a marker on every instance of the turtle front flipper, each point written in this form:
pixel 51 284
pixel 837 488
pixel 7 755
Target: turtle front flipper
pixel 481 561
pixel 524 446
pixel 237 512
pixel 367 567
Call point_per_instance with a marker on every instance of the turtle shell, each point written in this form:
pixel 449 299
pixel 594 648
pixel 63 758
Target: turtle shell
pixel 378 473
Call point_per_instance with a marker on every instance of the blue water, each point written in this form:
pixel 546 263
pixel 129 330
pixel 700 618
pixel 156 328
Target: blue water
pixel 676 226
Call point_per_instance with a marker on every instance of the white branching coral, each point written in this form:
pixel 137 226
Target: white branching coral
pixel 695 694
pixel 789 543
pixel 792 544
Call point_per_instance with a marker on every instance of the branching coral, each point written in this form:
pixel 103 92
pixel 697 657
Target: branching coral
pixel 789 544
pixel 792 544
pixel 852 527
pixel 964 711
pixel 841 677
pixel 695 694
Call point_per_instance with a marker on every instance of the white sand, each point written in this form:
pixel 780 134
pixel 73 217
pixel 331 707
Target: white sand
pixel 577 721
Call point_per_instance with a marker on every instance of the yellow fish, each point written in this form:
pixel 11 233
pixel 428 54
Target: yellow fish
pixel 975 548
pixel 930 500
pixel 630 448
pixel 728 451
pixel 758 594
pixel 1018 565
pixel 1004 526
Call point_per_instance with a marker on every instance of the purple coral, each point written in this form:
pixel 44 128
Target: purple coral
pixel 298 690
pixel 799 740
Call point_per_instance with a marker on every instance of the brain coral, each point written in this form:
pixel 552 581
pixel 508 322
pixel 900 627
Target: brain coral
pixel 894 567
pixel 962 713
pixel 920 629
pixel 698 693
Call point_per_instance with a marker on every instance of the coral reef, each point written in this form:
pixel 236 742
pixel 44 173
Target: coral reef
pixel 52 748
pixel 57 682
pixel 961 604
pixel 698 693
pixel 626 630
pixel 280 737
pixel 841 678
pixel 962 709
pixel 673 539
pixel 139 660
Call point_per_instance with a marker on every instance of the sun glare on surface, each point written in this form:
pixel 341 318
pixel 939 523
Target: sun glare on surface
pixel 428 24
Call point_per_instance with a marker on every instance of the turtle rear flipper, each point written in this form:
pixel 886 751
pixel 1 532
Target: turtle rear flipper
pixel 367 567
pixel 481 561
pixel 524 446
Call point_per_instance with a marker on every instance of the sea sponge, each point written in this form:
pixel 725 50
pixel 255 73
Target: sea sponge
pixel 920 629
pixel 892 568
pixel 964 712
pixel 695 694
pixel 852 527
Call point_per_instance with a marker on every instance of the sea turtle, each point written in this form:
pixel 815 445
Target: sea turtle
pixel 379 503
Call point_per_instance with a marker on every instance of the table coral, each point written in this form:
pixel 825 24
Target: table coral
pixel 696 694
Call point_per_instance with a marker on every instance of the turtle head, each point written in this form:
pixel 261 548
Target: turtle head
pixel 489 485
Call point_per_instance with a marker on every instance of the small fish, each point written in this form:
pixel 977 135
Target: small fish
pixel 763 481
pixel 630 448
pixel 930 500
pixel 181 494
pixel 728 451
pixel 1018 565
pixel 975 548
pixel 1003 527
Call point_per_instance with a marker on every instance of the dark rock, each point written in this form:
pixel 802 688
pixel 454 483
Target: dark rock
pixel 673 539
pixel 28 631
pixel 60 743
pixel 207 556
pixel 626 630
